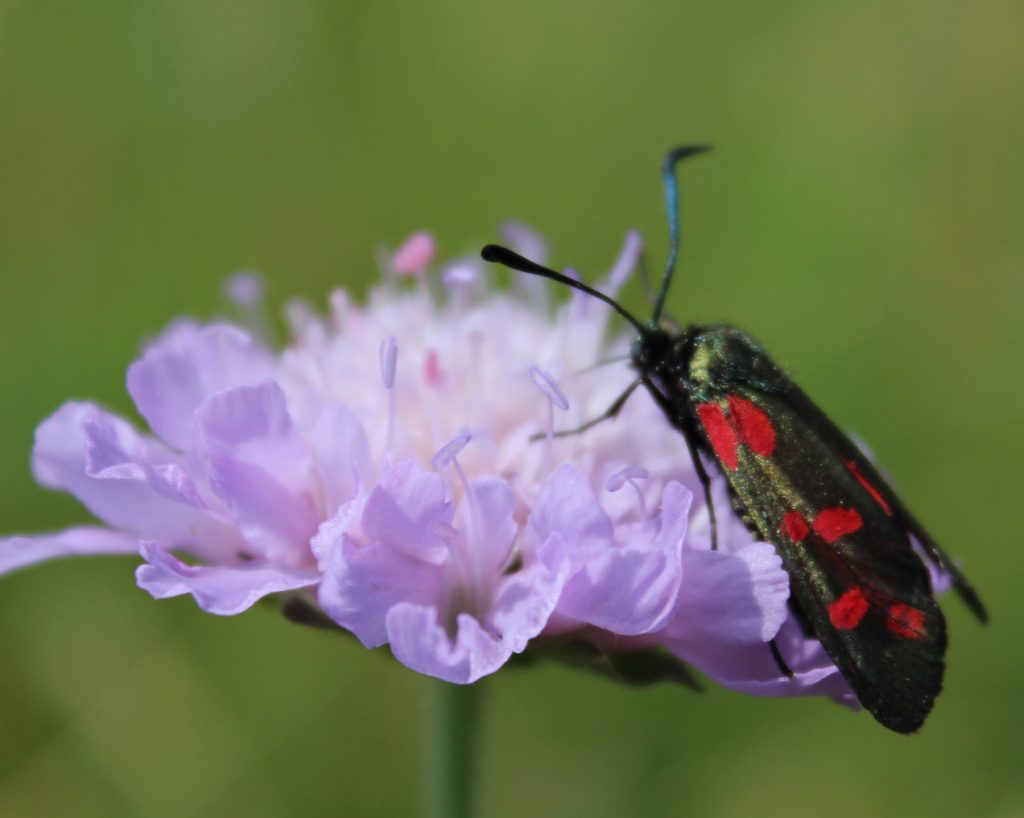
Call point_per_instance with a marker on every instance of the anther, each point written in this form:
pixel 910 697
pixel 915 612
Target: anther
pixel 632 247
pixel 547 385
pixel 556 397
pixel 245 289
pixel 630 475
pixel 415 254
pixel 388 361
pixel 449 451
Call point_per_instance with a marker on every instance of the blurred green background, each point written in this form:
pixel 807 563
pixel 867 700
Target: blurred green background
pixel 861 216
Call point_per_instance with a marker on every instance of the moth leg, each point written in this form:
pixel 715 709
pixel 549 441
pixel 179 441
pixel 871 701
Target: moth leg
pixel 684 423
pixel 777 656
pixel 604 362
pixel 608 414
pixel 705 482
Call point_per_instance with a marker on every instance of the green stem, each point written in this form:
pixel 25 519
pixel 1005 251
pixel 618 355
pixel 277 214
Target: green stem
pixel 451 750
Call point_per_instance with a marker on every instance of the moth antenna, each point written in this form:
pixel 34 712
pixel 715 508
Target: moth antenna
pixel 502 255
pixel 668 174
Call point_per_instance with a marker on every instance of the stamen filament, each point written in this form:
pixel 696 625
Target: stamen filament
pixel 448 456
pixel 388 367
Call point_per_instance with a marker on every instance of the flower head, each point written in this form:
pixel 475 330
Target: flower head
pixel 396 466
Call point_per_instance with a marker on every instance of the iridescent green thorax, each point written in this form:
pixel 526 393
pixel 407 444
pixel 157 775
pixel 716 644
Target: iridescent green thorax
pixel 704 359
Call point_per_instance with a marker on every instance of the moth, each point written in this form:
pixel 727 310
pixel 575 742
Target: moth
pixel 847 541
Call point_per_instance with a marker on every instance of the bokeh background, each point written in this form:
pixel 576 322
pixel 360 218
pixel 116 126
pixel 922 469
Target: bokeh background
pixel 861 216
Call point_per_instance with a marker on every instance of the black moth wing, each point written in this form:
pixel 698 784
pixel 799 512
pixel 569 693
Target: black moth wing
pixel 858 463
pixel 805 488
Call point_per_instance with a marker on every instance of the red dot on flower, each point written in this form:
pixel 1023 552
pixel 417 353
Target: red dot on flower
pixel 847 611
pixel 753 424
pixel 833 523
pixel 905 621
pixel 720 433
pixel 870 489
pixel 432 368
pixel 794 526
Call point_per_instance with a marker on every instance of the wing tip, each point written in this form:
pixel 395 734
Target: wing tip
pixel 971 599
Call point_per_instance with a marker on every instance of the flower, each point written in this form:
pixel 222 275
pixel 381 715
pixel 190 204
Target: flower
pixel 395 468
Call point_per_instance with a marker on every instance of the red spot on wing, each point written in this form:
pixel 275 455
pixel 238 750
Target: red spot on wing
pixel 833 523
pixel 870 489
pixel 720 433
pixel 794 526
pixel 905 621
pixel 846 612
pixel 753 424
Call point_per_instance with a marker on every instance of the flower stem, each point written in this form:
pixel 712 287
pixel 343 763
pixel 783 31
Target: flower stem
pixel 451 750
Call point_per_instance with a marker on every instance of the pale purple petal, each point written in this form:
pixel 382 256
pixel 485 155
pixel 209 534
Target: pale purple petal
pixel 496 505
pixel 18 552
pixel 342 454
pixel 220 590
pixel 184 367
pixel 421 643
pixel 752 669
pixel 259 465
pixel 632 588
pixel 567 507
pixel 346 522
pixel 738 598
pixel 523 603
pixel 119 477
pixel 114 451
pixel 407 510
pixel 362 583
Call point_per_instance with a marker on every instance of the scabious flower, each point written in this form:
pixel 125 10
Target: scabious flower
pixel 394 469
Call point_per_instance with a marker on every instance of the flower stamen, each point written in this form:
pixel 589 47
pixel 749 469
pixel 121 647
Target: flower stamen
pixel 448 455
pixel 245 289
pixel 388 366
pixel 556 397
pixel 630 474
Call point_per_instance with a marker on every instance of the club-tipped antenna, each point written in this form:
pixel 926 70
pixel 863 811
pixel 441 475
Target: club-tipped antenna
pixel 502 255
pixel 668 174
